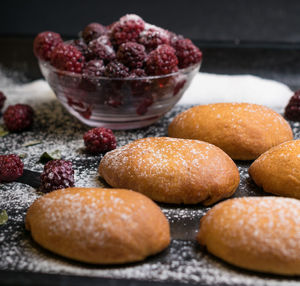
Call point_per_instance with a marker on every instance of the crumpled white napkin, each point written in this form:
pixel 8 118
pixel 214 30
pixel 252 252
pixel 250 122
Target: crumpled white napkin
pixel 212 88
pixel 205 88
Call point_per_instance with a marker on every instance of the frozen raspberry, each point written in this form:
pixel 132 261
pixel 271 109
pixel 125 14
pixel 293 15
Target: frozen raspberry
pixel 292 110
pixel 11 168
pixel 161 61
pixel 138 73
pixel 81 46
pixel 132 54
pixel 91 73
pixel 154 36
pixel 99 140
pixel 44 43
pixel 57 174
pixel 117 70
pixel 2 99
pixel 104 40
pixel 93 31
pixel 18 117
pixel 94 68
pixel 68 58
pixel 127 29
pixel 143 106
pixel 186 52
pixel 98 50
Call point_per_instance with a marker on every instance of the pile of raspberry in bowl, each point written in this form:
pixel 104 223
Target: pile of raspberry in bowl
pixel 125 75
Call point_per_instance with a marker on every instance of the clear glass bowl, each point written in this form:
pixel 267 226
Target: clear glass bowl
pixel 118 103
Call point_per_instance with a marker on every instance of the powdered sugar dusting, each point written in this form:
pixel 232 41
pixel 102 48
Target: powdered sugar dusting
pixel 184 261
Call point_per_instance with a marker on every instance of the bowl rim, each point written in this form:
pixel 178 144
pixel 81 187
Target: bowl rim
pixel 79 75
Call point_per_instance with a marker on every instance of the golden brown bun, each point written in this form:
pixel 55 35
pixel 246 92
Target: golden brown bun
pixel 278 170
pixel 256 233
pixel 95 225
pixel 242 130
pixel 172 170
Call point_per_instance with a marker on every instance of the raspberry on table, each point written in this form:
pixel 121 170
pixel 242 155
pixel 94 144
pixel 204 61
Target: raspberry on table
pixel 117 70
pixel 98 50
pixel 127 29
pixel 2 99
pixel 132 54
pixel 153 36
pixel 292 110
pixel 187 53
pixel 93 31
pixel 11 168
pixel 57 174
pixel 18 117
pixel 68 58
pixel 161 61
pixel 44 43
pixel 99 140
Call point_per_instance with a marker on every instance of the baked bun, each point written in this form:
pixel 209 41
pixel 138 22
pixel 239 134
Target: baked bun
pixel 278 170
pixel 244 131
pixel 95 225
pixel 256 233
pixel 172 170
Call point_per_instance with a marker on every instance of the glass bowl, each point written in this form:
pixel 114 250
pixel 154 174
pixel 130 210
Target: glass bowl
pixel 118 103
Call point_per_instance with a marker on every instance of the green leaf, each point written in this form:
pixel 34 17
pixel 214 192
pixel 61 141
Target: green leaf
pixel 3 132
pixel 48 156
pixel 22 156
pixel 3 217
pixel 32 143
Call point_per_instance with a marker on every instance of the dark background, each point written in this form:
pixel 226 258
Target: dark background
pixel 260 37
pixel 205 21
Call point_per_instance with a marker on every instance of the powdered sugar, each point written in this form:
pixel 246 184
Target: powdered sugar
pixel 184 261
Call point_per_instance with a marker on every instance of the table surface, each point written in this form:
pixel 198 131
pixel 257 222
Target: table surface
pixel 16 58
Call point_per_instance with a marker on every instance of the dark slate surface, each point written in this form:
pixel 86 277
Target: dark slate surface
pixel 183 262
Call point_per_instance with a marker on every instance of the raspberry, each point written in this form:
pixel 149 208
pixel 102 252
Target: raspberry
pixel 11 168
pixel 161 61
pixel 117 70
pixel 127 29
pixel 81 46
pixel 99 140
pixel 292 110
pixel 94 68
pixel 105 40
pixel 57 174
pixel 68 58
pixel 143 106
pixel 153 36
pixel 90 73
pixel 98 50
pixel 44 43
pixel 138 73
pixel 93 31
pixel 18 117
pixel 2 99
pixel 132 54
pixel 186 52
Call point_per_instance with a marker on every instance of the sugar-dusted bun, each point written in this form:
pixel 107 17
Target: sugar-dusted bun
pixel 172 170
pixel 244 131
pixel 256 233
pixel 277 171
pixel 94 225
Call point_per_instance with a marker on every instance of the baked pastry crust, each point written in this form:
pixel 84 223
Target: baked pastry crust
pixel 277 170
pixel 102 226
pixel 255 233
pixel 244 131
pixel 172 170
